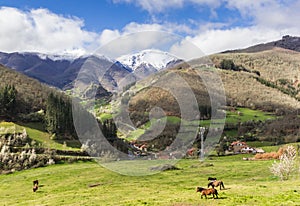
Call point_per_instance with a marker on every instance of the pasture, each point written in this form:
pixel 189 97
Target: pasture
pixel 37 134
pixel 87 183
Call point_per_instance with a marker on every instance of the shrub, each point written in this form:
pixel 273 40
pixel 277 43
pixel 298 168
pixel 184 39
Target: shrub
pixel 227 64
pixel 269 155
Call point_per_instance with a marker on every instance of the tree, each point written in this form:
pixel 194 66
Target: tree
pixel 286 164
pixel 59 119
pixel 109 129
pixel 8 96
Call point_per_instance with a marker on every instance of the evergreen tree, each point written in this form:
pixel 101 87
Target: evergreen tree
pixel 59 115
pixel 8 96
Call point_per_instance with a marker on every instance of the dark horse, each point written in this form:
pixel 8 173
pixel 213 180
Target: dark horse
pixel 35 185
pixel 211 178
pixel 209 191
pixel 216 183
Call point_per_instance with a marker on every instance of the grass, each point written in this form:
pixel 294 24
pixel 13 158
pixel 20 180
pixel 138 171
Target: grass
pixel 105 116
pixel 246 183
pixel 246 114
pixel 135 134
pixel 37 133
pixel 10 128
pixel 260 144
pixel 240 115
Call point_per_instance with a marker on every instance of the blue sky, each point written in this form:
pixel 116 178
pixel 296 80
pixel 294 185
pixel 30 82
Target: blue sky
pixel 97 14
pixel 80 26
pixel 107 14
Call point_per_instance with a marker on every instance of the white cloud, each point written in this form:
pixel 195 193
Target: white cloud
pixel 213 41
pixel 136 41
pixel 154 6
pixel 269 13
pixel 136 27
pixel 186 50
pixel 40 30
pixel 108 35
pixel 135 37
pixel 271 19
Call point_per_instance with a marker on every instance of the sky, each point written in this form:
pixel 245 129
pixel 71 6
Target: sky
pixel 80 27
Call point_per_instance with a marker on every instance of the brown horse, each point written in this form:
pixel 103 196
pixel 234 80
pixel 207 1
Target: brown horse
pixel 216 183
pixel 209 191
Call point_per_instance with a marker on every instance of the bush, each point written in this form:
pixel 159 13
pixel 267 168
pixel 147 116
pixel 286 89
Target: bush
pixel 227 64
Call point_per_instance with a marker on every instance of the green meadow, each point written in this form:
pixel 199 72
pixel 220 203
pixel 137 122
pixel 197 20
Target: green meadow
pixel 88 183
pixel 37 134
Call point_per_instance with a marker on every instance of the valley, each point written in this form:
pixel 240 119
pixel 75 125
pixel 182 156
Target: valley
pixel 143 103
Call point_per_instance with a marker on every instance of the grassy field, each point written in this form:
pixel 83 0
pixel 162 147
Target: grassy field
pixel 245 114
pixel 36 132
pixel 233 117
pixel 246 183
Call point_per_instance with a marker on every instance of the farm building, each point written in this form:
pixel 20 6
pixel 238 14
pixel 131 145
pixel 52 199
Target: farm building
pixel 248 150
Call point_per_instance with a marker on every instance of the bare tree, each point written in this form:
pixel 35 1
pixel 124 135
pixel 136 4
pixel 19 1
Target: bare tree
pixel 286 164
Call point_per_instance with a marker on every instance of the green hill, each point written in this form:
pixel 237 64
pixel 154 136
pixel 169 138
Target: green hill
pixel 31 94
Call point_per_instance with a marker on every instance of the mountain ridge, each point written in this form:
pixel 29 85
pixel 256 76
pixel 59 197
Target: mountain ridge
pixel 286 42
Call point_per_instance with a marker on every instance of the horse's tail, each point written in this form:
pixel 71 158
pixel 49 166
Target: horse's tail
pixel 222 185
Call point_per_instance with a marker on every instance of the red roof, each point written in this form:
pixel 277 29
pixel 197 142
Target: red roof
pixel 238 142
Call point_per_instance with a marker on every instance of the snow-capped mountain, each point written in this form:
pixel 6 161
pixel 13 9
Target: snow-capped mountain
pixel 61 70
pixel 147 58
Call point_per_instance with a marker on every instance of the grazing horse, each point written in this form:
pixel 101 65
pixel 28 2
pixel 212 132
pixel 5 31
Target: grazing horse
pixel 35 185
pixel 209 191
pixel 211 178
pixel 216 183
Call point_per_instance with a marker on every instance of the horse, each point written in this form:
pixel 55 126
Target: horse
pixel 211 178
pixel 216 183
pixel 35 185
pixel 209 191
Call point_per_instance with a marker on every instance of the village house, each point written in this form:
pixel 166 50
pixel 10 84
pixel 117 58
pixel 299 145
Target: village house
pixel 237 146
pixel 242 147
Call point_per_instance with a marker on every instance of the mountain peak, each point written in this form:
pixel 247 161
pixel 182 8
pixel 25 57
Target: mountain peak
pixel 156 58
